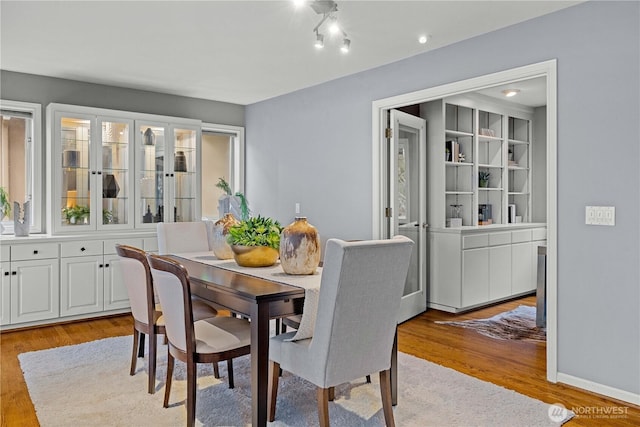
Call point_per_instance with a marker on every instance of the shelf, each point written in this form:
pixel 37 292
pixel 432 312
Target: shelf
pixel 518 168
pixel 489 166
pixel 518 142
pixel 458 134
pixel 486 138
pixel 458 164
pixel 511 193
pixel 459 193
pixel 490 189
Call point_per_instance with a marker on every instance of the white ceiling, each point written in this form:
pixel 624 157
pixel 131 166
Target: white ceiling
pixel 234 51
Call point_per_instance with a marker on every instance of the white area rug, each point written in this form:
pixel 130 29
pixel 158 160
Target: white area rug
pixel 89 384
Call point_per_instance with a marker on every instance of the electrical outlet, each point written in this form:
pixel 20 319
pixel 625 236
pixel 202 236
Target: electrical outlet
pixel 600 215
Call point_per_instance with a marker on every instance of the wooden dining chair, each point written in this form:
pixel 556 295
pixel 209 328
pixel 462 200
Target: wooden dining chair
pixel 146 310
pixel 204 341
pixel 360 292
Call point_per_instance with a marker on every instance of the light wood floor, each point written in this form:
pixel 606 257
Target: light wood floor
pixel 519 366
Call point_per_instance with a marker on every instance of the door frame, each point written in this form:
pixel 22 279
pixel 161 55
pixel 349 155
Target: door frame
pixel 546 69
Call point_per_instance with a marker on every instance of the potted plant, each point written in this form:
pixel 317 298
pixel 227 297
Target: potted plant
pixel 235 204
pixel 5 205
pixel 255 241
pixel 483 178
pixel 76 213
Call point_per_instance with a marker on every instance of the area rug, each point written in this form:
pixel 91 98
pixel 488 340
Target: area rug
pixel 89 384
pixel 517 324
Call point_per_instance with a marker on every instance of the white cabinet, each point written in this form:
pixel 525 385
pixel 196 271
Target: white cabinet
pixel 91 159
pixel 118 170
pixel 477 266
pixel 30 281
pixel 479 161
pixel 90 278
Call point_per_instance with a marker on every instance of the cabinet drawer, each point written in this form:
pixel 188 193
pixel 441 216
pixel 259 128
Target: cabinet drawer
pixel 110 245
pixel 4 252
pixel 520 236
pixel 475 241
pixel 502 238
pixel 82 248
pixel 539 234
pixel 34 251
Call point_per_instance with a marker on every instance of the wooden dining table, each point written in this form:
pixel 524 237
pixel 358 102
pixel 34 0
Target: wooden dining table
pixel 261 300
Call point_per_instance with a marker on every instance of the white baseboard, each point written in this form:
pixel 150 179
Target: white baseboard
pixel 605 390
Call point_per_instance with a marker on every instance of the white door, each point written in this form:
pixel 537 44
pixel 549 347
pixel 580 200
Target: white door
pixel 407 202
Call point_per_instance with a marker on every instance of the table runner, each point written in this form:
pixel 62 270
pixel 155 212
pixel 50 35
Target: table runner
pixel 309 282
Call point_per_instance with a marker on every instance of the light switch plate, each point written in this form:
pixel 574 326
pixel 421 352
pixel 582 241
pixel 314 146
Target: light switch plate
pixel 600 215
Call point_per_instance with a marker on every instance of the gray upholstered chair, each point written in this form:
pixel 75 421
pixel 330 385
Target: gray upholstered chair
pixel 203 341
pixel 361 288
pixel 146 311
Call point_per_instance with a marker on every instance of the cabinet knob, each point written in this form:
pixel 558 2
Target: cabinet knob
pixel 35 252
pixel 100 265
pixel 93 172
pixel 99 172
pixel 13 273
pixel 171 174
pixel 106 265
pixel 6 273
pixel 82 249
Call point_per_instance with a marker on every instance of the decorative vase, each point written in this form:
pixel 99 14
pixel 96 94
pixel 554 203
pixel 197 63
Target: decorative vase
pixel 180 162
pixel 299 247
pixel 221 248
pixel 254 256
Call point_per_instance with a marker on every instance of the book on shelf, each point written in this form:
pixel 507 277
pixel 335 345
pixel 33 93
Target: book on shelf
pixel 454 149
pixel 512 213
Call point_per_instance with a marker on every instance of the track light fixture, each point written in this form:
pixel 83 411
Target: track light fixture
pixel 329 11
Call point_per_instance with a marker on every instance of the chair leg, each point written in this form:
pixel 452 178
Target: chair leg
pixel 385 392
pixel 323 406
pixel 332 394
pixel 167 385
pixel 272 395
pixel 277 326
pixel 368 379
pixel 134 353
pixel 216 370
pixel 191 393
pixel 230 372
pixel 141 345
pixel 153 349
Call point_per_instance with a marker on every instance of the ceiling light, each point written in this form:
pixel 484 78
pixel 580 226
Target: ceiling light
pixel 423 39
pixel 299 3
pixel 345 45
pixel 329 10
pixel 510 92
pixel 334 28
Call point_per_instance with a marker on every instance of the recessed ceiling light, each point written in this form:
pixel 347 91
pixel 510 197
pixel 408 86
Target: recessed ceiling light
pixel 510 92
pixel 423 39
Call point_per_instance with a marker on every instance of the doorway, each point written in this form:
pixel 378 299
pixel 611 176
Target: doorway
pixel 548 71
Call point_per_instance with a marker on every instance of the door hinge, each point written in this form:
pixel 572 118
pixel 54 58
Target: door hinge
pixel 388 212
pixel 387 133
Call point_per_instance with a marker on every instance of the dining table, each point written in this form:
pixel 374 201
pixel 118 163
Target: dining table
pixel 260 298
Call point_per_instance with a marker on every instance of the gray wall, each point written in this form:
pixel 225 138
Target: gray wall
pixel 44 90
pixel 314 147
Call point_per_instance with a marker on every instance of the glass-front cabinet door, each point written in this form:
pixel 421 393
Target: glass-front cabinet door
pixel 114 175
pixel 91 182
pixel 167 162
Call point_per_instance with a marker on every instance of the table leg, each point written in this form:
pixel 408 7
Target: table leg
pixel 259 363
pixel 394 370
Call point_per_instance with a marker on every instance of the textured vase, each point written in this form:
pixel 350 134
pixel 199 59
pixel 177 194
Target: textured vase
pixel 254 256
pixel 221 248
pixel 299 247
